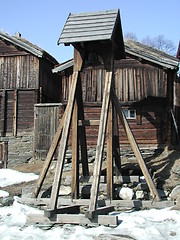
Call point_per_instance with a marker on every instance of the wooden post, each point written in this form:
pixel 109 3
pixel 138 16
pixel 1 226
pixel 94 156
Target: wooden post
pixel 116 146
pixel 135 148
pixel 109 157
pixel 15 112
pixel 3 114
pixel 5 154
pixel 82 132
pixel 63 143
pixel 75 154
pixel 100 146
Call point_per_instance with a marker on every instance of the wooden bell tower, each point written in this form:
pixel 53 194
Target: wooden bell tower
pixel 96 37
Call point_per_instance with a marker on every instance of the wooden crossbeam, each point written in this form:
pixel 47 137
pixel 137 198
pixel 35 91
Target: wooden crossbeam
pixel 100 145
pixel 48 159
pixel 72 219
pixel 135 148
pixel 63 143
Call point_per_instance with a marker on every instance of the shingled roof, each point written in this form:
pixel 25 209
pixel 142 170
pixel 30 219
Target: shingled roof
pixel 139 50
pixel 27 46
pixel 94 27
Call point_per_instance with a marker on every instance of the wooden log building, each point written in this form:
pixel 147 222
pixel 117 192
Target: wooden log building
pixel 145 83
pixel 25 79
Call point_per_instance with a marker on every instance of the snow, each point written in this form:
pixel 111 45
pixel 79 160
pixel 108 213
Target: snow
pixel 142 225
pixel 9 177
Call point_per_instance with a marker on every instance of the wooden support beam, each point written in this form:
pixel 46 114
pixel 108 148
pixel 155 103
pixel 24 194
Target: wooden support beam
pixel 107 220
pixel 48 159
pixel 135 148
pixel 3 113
pixel 116 145
pixel 75 154
pixel 89 122
pixel 43 202
pixel 62 210
pixel 63 143
pixel 82 131
pixel 109 137
pixel 15 112
pixel 100 145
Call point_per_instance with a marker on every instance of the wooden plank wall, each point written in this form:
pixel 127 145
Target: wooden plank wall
pixel 133 82
pixel 19 111
pixel 19 72
pixel 46 119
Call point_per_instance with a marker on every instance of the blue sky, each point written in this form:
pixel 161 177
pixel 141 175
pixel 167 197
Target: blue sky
pixel 41 21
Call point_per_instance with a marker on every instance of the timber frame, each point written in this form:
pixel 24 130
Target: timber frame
pixel 111 108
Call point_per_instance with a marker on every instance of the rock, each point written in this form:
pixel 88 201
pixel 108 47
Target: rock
pixel 65 190
pixel 175 194
pixel 176 170
pixel 139 194
pixel 125 193
pixel 141 186
pixel 86 191
pixel 7 201
pixel 177 206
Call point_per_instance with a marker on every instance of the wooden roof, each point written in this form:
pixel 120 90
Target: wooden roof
pixel 27 46
pixel 139 50
pixel 103 26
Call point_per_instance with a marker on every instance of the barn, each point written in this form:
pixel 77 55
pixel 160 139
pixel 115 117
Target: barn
pixel 25 79
pixel 145 83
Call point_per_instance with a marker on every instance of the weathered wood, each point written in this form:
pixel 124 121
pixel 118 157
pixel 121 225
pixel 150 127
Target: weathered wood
pixel 63 143
pixel 82 131
pixel 135 148
pixel 75 154
pixel 15 112
pixel 62 210
pixel 72 219
pixel 100 143
pixel 43 202
pixel 116 145
pixel 3 113
pixel 101 210
pixel 109 136
pixel 89 122
pixel 48 159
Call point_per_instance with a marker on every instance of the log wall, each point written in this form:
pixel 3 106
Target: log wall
pixel 17 111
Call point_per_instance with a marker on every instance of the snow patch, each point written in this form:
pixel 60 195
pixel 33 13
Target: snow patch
pixel 9 177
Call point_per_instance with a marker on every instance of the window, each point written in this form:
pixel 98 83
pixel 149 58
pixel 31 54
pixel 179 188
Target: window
pixel 130 114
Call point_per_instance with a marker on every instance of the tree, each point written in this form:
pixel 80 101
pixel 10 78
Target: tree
pixel 130 36
pixel 160 43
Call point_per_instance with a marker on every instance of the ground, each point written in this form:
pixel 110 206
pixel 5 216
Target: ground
pixel 164 169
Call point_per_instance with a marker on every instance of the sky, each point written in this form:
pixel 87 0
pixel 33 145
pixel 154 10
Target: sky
pixel 41 21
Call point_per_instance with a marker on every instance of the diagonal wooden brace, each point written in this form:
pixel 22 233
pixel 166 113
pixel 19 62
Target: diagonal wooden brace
pixel 135 148
pixel 100 146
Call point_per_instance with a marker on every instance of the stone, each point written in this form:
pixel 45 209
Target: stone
pixel 175 194
pixel 7 201
pixel 140 194
pixel 65 190
pixel 125 193
pixel 141 186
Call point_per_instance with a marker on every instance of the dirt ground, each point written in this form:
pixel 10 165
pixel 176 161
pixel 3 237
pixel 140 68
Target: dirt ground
pixel 164 169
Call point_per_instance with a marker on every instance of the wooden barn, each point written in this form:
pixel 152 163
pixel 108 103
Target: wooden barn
pixel 145 85
pixel 25 79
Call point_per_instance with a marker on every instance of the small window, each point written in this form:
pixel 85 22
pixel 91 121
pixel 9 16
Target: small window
pixel 130 114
